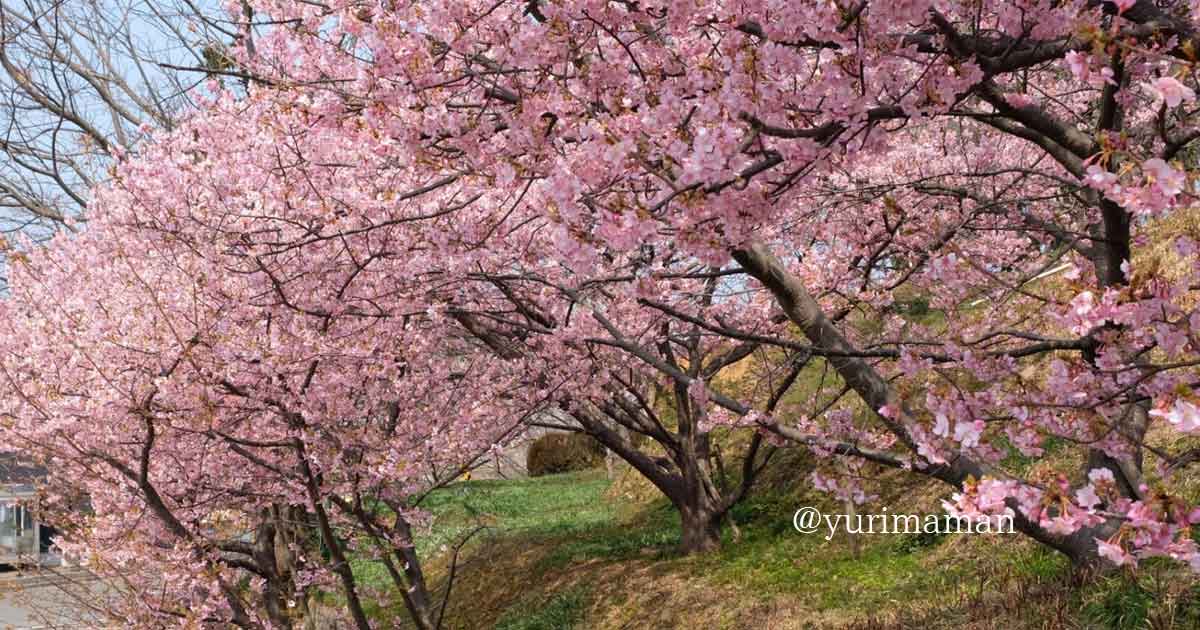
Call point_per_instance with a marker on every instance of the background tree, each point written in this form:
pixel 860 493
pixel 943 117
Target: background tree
pixel 84 81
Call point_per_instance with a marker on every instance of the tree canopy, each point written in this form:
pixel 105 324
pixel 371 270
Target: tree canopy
pixel 394 232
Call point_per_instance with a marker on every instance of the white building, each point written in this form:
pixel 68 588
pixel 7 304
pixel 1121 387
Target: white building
pixel 20 533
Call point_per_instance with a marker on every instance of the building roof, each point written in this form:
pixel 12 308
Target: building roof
pixel 17 470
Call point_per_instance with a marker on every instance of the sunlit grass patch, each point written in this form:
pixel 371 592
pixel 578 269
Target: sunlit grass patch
pixel 561 611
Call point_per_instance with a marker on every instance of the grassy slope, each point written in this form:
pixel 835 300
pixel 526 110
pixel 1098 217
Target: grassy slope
pixel 569 551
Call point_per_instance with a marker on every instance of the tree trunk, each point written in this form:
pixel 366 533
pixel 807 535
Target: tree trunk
pixel 277 587
pixel 416 593
pixel 681 477
pixel 701 530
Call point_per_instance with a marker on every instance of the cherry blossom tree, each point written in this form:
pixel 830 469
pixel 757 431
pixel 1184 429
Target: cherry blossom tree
pixel 425 222
pixel 241 430
pixel 887 150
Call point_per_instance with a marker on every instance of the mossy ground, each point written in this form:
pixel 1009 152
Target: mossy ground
pixel 573 551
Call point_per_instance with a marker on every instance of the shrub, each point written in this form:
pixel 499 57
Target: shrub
pixel 563 452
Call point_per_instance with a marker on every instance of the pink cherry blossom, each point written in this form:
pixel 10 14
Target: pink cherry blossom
pixel 1087 497
pixel 968 433
pixel 1114 553
pixel 1099 178
pixel 941 427
pixel 1166 178
pixel 1171 91
pixel 1079 64
pixel 1182 415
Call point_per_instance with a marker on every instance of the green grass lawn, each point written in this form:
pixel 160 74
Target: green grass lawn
pixel 554 505
pixel 560 552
